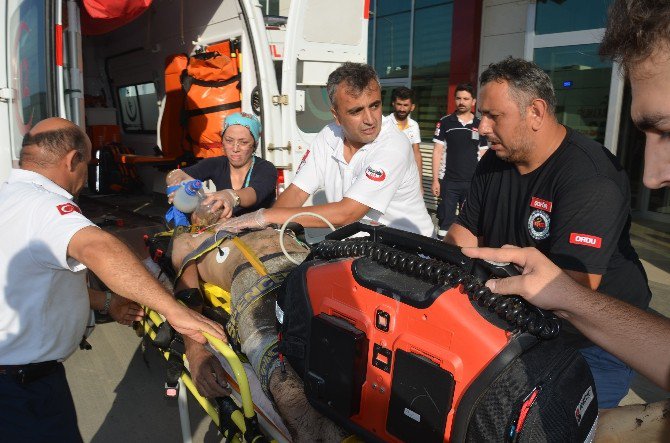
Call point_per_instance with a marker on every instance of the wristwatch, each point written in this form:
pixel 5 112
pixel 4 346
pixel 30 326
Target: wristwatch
pixel 236 198
pixel 108 302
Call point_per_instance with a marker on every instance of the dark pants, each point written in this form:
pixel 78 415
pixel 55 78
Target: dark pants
pixel 611 375
pixel 39 411
pixel 452 195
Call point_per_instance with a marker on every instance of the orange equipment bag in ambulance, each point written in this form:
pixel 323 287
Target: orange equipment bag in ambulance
pixel 397 339
pixel 211 84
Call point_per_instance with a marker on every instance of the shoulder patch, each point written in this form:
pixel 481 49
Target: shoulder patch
pixel 538 224
pixel 538 203
pixel 68 208
pixel 375 174
pixel 586 240
pixel 303 161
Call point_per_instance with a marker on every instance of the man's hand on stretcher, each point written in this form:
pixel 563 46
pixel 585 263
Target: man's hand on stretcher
pixel 192 324
pixel 125 311
pixel 120 269
pixel 206 372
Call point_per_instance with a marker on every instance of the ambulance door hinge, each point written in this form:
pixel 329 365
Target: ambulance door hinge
pixel 7 95
pixel 280 100
pixel 271 147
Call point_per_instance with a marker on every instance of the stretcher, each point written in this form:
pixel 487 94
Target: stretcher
pixel 248 414
pixel 248 405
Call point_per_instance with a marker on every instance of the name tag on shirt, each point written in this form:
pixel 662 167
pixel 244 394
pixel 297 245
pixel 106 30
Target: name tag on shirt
pixel 475 134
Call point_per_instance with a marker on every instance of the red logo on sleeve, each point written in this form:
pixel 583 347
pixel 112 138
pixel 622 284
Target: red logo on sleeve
pixel 67 208
pixel 538 203
pixel 586 240
pixel 375 174
pixel 303 161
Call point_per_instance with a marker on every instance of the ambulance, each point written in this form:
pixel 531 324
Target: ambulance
pixel 112 67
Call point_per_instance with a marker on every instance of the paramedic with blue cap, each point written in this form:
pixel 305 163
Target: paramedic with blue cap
pixel 244 182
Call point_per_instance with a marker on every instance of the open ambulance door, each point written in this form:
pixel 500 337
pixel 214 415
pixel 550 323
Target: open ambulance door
pixel 320 36
pixel 31 67
pixel 33 82
pixel 259 47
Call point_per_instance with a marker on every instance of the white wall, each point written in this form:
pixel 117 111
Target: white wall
pixel 503 30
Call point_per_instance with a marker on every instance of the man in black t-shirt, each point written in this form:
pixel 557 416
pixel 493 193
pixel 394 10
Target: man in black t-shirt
pixel 457 135
pixel 544 185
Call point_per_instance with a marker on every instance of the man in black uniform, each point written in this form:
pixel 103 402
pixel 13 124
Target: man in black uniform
pixel 457 135
pixel 547 186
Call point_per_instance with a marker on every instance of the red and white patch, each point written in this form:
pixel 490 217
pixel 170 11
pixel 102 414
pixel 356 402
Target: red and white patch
pixel 437 129
pixel 586 240
pixel 538 203
pixel 303 161
pixel 375 174
pixel 67 208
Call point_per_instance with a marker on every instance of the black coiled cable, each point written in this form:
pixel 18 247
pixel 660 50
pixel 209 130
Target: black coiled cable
pixel 518 313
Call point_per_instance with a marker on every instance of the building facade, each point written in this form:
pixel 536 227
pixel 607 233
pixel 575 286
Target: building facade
pixel 432 45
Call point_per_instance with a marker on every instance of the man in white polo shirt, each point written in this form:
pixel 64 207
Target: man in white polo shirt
pixel 47 245
pixel 365 166
pixel 402 102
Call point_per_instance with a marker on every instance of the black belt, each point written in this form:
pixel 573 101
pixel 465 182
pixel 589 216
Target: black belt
pixel 28 373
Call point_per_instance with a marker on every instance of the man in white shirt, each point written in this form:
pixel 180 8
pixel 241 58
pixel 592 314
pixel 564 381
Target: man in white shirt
pixel 365 166
pixel 402 102
pixel 47 245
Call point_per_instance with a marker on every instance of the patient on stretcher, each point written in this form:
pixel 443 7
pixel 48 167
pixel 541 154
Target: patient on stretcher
pixel 252 324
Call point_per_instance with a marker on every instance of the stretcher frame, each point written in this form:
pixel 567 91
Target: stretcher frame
pixel 239 385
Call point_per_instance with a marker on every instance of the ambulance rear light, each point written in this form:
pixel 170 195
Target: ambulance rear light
pixel 280 181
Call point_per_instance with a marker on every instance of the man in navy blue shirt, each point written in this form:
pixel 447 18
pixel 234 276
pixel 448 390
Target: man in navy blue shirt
pixel 457 135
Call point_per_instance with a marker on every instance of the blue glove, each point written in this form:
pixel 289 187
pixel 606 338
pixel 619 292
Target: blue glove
pixel 175 215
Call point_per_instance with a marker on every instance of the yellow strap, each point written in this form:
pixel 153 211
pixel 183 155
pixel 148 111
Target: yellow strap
pixel 250 256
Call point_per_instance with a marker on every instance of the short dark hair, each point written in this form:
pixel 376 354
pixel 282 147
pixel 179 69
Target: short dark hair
pixel 467 87
pixel 402 93
pixel 526 80
pixel 635 29
pixel 356 76
pixel 54 145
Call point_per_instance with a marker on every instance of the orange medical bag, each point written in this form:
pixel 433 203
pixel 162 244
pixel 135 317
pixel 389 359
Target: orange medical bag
pixel 211 83
pixel 397 339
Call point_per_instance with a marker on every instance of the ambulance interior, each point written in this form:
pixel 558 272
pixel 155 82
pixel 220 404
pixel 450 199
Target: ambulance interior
pixel 133 83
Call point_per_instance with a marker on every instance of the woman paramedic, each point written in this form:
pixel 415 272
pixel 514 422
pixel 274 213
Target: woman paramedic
pixel 244 182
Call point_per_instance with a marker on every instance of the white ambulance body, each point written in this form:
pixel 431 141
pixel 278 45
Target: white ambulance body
pixel 47 66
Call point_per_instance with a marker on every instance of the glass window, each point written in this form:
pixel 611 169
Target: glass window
pixel 28 69
pixel 552 16
pixel 371 30
pixel 270 7
pixel 317 113
pixel 392 39
pixel 431 62
pixel 139 107
pixel 582 83
pixel 659 200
